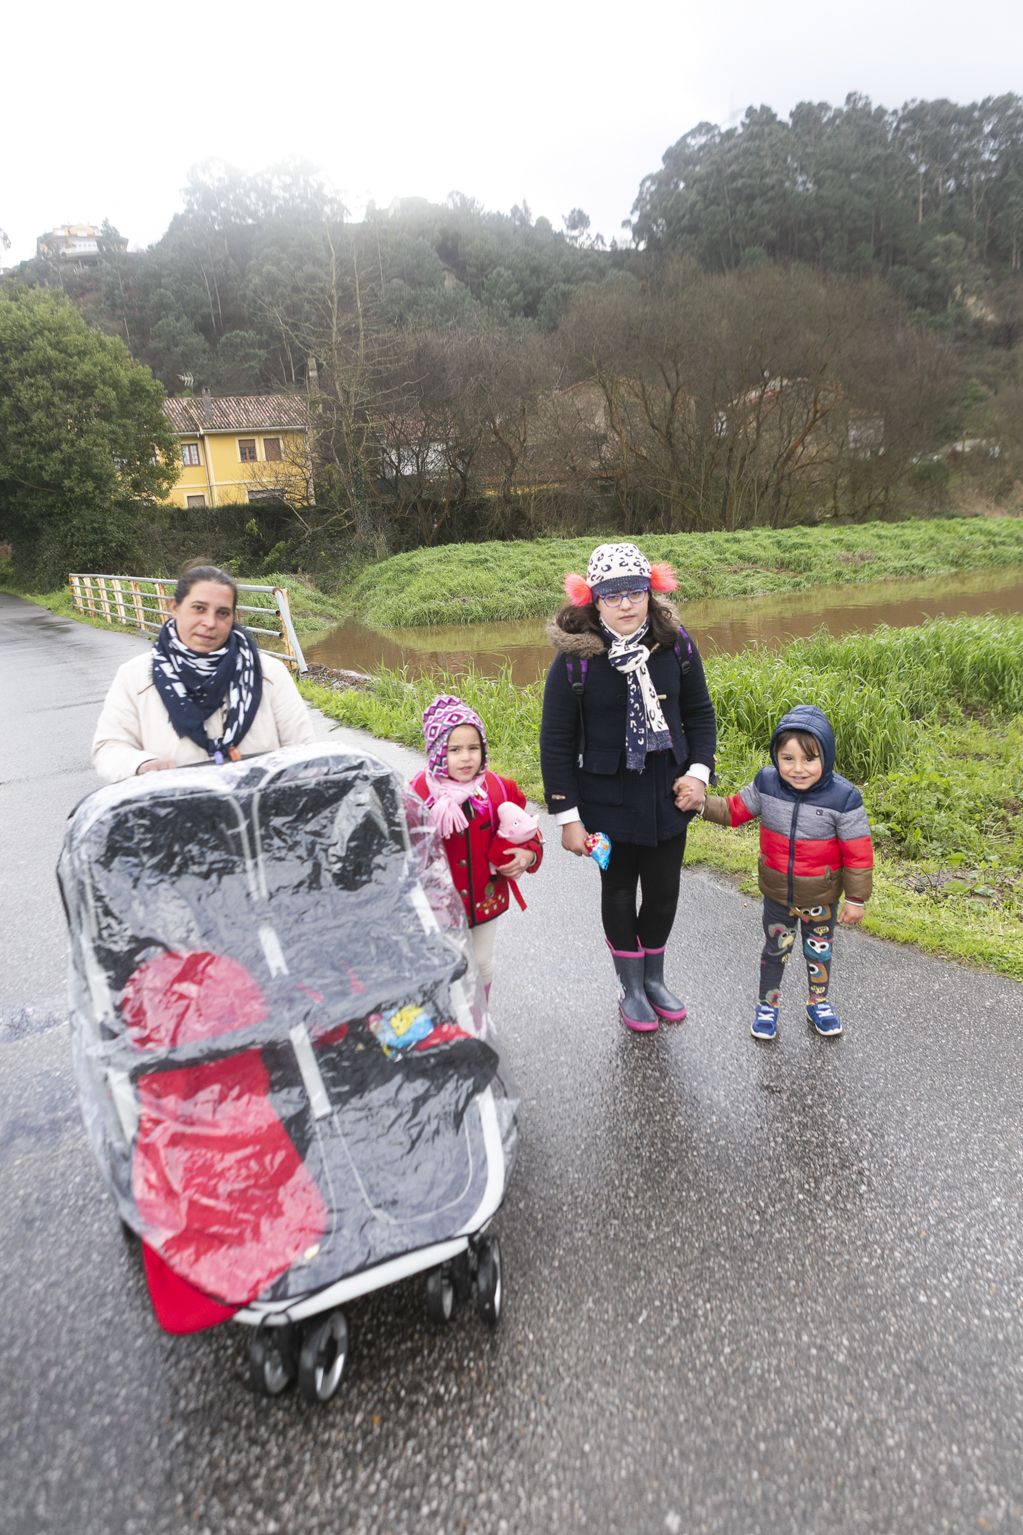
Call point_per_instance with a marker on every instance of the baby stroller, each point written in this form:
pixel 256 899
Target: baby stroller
pixel 280 1043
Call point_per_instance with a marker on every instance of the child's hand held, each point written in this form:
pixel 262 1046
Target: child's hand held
pixel 573 838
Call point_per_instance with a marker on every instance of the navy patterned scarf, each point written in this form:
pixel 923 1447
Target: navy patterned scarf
pixel 193 686
pixel 646 729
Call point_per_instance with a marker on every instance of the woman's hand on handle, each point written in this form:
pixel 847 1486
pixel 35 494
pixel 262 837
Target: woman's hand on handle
pixel 154 765
pixel 573 838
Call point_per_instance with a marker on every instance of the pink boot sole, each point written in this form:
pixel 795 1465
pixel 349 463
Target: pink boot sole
pixel 669 1017
pixel 635 1025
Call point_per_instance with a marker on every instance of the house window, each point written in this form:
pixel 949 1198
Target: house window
pixel 263 495
pixel 247 450
pixel 272 449
pixel 195 500
pixel 190 454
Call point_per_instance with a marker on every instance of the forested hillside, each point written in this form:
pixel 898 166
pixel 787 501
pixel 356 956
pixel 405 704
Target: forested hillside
pixel 803 320
pixel 930 197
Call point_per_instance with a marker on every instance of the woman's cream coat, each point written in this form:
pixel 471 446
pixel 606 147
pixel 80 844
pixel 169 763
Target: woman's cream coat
pixel 134 725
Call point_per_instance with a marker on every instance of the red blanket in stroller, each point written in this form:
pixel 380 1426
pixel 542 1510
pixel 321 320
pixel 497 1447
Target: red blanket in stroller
pixel 213 1171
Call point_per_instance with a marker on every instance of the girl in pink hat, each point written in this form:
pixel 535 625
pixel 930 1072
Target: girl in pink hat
pixel 463 798
pixel 627 748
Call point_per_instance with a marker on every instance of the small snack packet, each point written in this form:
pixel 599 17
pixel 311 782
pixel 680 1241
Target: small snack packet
pixel 598 845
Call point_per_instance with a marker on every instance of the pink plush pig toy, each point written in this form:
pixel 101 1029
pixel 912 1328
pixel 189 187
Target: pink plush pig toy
pixel 514 827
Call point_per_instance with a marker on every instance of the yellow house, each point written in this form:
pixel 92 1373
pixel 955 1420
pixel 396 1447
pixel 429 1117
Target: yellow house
pixel 240 447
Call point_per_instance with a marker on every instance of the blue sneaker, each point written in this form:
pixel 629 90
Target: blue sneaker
pixel 765 1022
pixel 824 1018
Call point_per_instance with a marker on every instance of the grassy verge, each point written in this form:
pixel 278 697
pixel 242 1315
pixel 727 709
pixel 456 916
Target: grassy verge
pixel 929 723
pixel 483 583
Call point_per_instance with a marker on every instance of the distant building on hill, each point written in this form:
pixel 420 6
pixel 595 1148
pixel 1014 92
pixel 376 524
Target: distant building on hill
pixel 77 242
pixel 240 447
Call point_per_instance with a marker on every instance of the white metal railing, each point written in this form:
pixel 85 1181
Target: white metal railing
pixel 143 602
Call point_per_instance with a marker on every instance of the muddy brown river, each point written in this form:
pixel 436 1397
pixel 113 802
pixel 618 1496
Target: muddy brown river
pixel 727 624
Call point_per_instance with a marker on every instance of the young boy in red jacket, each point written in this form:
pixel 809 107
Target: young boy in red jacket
pixel 815 846
pixel 462 797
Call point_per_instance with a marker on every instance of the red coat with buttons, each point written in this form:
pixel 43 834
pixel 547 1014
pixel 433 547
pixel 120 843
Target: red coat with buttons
pixel 484 894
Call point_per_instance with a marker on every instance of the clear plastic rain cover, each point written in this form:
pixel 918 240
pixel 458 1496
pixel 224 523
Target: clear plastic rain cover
pixel 280 1037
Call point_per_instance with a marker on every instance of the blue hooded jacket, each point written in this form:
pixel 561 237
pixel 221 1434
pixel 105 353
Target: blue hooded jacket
pixel 813 722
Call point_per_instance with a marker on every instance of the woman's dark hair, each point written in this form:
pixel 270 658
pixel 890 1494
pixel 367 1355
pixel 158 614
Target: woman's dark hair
pixel 809 744
pixel 196 573
pixel 663 627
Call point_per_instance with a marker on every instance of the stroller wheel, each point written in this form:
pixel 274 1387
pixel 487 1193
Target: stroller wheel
pixel 489 1282
pixel 440 1294
pixel 272 1360
pixel 322 1358
pixel 461 1278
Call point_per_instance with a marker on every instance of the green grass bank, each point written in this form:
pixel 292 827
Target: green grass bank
pixel 485 583
pixel 929 723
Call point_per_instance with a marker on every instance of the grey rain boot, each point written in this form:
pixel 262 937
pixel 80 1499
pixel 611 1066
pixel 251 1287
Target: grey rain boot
pixel 664 1002
pixel 636 1011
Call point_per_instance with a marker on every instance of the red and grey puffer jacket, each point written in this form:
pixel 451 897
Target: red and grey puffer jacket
pixel 484 894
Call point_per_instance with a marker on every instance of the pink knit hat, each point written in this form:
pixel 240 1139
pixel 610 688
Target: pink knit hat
pixel 440 718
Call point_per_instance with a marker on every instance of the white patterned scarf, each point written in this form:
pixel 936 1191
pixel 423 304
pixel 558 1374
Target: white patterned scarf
pixel 194 685
pixel 646 729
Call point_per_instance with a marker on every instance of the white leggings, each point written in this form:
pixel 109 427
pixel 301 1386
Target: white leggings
pixel 484 941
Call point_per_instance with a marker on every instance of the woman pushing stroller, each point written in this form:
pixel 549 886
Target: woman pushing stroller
pixel 204 693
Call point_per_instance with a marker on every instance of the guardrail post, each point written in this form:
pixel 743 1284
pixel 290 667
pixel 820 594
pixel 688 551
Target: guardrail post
pixel 288 635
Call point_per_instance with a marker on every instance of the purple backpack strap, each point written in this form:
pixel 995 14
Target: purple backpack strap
pixel 584 665
pixel 577 684
pixel 682 639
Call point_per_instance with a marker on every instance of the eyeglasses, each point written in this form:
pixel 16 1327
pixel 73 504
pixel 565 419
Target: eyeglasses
pixel 615 599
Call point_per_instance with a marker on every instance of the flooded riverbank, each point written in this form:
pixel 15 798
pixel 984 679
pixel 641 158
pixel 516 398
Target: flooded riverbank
pixel 729 625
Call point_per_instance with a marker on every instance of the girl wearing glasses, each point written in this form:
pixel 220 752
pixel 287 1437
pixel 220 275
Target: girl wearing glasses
pixel 627 748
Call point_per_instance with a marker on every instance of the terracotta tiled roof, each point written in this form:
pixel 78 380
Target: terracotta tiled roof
pixel 236 413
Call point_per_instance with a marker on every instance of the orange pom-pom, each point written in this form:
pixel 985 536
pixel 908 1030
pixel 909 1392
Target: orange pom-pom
pixel 577 592
pixel 662 578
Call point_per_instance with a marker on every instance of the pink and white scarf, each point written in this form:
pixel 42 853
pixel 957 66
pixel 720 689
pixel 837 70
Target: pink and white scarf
pixel 447 798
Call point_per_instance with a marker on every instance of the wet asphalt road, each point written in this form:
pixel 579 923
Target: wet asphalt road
pixel 749 1288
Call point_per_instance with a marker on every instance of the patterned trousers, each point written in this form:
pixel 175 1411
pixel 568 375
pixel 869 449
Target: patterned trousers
pixel 818 930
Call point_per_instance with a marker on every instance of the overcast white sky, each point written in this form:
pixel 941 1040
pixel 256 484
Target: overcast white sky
pixel 105 106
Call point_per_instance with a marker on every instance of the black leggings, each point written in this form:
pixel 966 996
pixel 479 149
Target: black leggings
pixel 658 871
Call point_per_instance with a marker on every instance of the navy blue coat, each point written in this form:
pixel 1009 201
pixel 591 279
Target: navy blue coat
pixel 628 806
